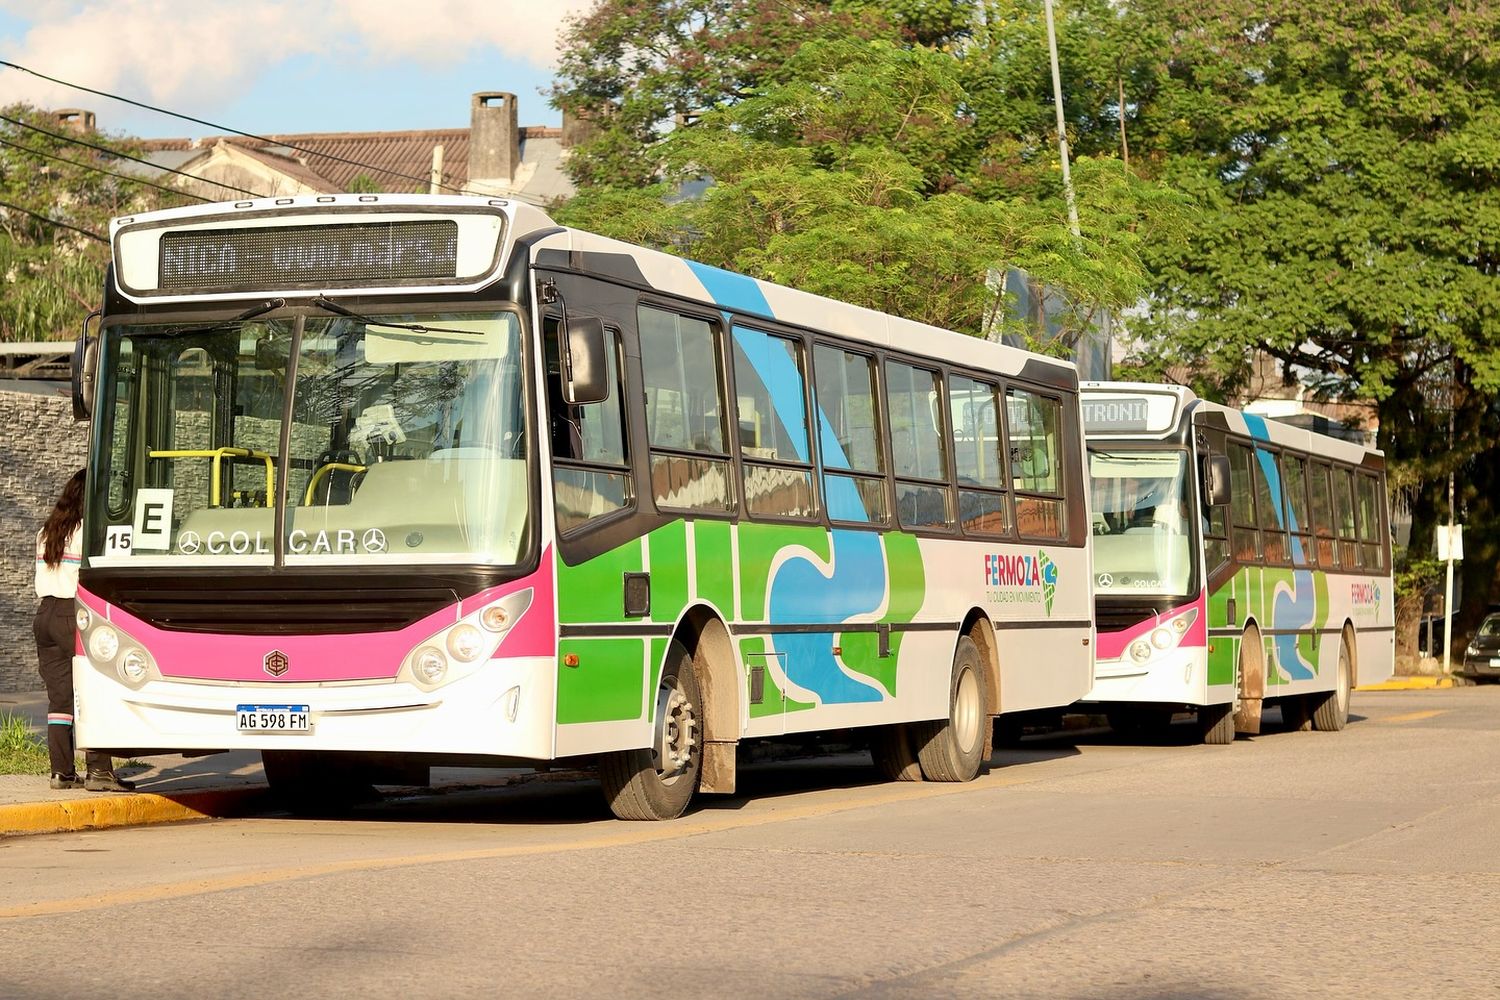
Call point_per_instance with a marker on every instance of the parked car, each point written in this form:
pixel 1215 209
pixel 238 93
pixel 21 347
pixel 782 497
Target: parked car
pixel 1482 658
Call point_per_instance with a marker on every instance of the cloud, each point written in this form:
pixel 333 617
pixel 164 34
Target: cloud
pixel 192 54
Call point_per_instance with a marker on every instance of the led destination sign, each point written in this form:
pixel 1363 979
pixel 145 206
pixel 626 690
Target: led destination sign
pixel 1116 413
pixel 322 256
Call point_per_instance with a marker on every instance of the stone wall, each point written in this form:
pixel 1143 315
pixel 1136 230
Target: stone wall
pixel 40 447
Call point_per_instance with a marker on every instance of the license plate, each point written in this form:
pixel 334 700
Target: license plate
pixel 273 718
pixel 1495 661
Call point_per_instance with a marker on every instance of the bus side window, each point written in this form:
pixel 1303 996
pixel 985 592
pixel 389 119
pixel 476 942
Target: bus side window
pixel 1320 487
pixel 1272 530
pixel 1033 426
pixel 1246 534
pixel 982 509
pixel 590 472
pixel 921 463
pixel 685 410
pixel 771 413
pixel 853 462
pixel 1343 498
pixel 1372 553
pixel 1295 483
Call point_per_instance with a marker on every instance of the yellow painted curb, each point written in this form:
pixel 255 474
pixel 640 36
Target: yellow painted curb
pixel 106 809
pixel 1408 684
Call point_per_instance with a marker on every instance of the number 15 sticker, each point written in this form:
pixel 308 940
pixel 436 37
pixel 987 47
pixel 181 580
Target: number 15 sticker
pixel 117 540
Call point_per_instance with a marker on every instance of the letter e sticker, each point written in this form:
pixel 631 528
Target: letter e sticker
pixel 153 520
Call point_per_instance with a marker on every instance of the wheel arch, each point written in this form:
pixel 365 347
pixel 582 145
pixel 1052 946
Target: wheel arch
pixel 978 627
pixel 1351 634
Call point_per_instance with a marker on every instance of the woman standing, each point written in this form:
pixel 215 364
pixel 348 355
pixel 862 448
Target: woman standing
pixel 59 550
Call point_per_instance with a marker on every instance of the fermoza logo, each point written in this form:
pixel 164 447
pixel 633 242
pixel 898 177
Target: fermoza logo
pixel 1021 579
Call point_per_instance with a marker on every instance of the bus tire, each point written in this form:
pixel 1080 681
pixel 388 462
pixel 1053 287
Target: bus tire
pixel 952 749
pixel 1216 723
pixel 1331 713
pixel 316 782
pixel 657 782
pixel 891 750
pixel 1296 713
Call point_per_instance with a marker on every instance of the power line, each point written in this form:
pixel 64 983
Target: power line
pixel 127 156
pixel 233 131
pixel 101 170
pixel 53 222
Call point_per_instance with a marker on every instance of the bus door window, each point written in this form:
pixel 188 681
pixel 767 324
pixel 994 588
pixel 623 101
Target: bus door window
pixel 1032 426
pixel 854 461
pixel 771 413
pixel 1245 538
pixel 1294 482
pixel 1320 491
pixel 590 475
pixel 920 461
pixel 685 412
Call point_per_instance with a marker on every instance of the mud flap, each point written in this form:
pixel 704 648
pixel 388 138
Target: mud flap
pixel 717 776
pixel 1247 716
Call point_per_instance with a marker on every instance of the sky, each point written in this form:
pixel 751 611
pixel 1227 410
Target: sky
pixel 283 66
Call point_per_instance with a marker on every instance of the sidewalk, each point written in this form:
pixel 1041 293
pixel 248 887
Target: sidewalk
pixel 1420 682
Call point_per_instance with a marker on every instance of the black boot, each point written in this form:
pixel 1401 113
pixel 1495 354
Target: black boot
pixel 105 781
pixel 63 781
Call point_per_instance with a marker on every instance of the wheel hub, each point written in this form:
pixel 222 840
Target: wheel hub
pixel 676 731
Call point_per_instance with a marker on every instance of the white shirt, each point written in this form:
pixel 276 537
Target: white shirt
pixel 60 580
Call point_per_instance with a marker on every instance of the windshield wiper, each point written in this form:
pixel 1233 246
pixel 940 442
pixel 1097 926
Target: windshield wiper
pixel 325 303
pixel 250 313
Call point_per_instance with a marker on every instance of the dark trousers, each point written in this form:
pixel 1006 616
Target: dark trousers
pixel 54 630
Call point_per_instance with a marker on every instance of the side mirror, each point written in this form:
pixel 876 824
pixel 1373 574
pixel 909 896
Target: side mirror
pixel 85 367
pixel 1216 480
pixel 585 367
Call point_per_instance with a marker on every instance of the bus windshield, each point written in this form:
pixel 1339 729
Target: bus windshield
pixel 407 442
pixel 1141 504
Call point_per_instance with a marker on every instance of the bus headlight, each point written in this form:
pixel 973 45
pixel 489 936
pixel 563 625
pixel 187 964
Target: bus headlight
pixel 1140 651
pixel 1166 636
pixel 430 664
pixel 1163 638
pixel 134 666
pixel 104 644
pixel 465 643
pixel 82 618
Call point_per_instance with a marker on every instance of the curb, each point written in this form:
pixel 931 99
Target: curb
pixel 107 809
pixel 1408 684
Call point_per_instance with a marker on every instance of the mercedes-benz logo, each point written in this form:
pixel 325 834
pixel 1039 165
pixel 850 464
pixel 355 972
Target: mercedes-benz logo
pixel 1105 580
pixel 373 540
pixel 188 543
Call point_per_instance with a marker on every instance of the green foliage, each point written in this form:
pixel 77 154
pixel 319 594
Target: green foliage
pixel 21 752
pixel 54 276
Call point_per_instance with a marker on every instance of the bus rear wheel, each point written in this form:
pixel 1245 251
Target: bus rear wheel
pixel 952 749
pixel 657 782
pixel 895 758
pixel 1331 713
pixel 1216 723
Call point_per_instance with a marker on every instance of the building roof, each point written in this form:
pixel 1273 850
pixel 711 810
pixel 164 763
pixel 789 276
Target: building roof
pixel 391 161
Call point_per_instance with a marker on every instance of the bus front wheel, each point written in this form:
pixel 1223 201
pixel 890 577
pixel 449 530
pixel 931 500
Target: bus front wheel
pixel 952 749
pixel 657 782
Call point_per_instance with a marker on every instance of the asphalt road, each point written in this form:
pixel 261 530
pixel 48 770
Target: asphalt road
pixel 1358 864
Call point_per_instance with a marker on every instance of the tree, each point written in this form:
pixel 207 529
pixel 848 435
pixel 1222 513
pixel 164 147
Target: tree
pixel 850 179
pixel 1344 158
pixel 54 270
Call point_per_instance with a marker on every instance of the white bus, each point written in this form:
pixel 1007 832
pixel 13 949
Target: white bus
pixel 382 482
pixel 1238 561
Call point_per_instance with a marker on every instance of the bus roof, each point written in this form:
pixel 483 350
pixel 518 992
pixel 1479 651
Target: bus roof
pixel 1144 410
pixel 217 259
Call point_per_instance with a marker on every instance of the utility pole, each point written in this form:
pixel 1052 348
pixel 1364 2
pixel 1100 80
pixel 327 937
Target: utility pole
pixel 1452 534
pixel 1062 129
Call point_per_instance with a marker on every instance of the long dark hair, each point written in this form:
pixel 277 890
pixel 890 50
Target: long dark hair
pixel 66 515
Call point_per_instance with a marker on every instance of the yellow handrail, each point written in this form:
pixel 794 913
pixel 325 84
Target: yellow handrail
pixel 218 455
pixel 312 484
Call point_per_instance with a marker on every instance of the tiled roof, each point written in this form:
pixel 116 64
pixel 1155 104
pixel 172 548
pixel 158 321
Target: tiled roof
pixel 394 161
